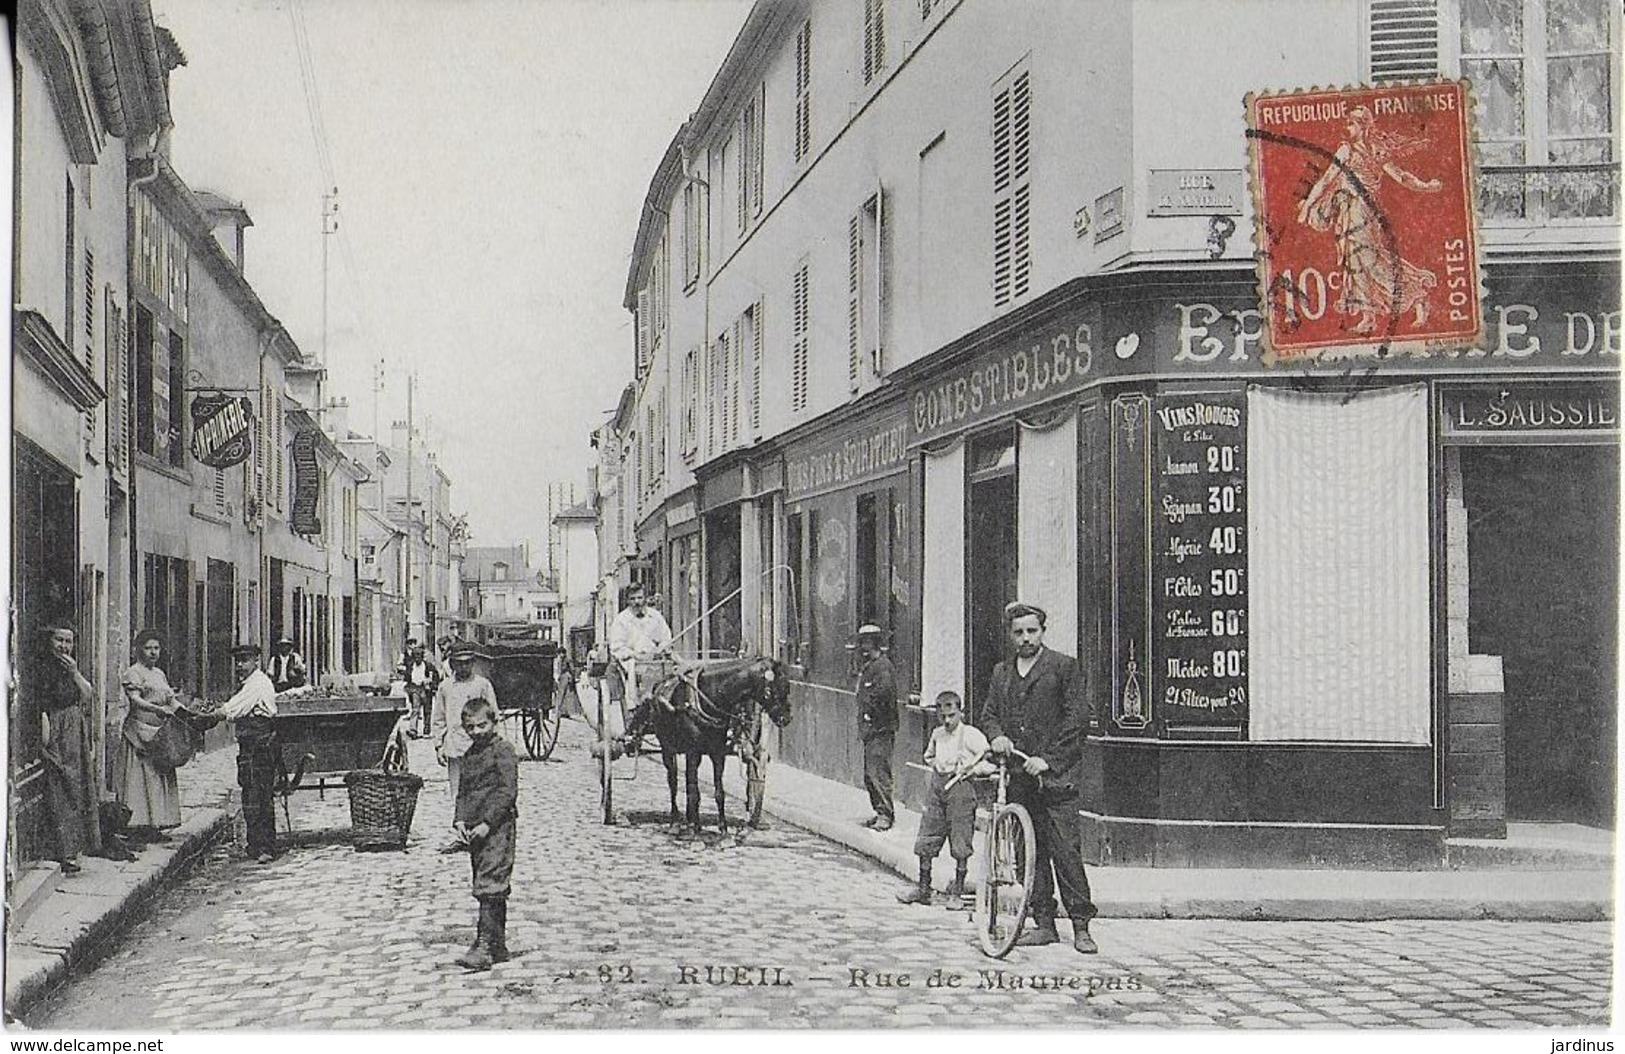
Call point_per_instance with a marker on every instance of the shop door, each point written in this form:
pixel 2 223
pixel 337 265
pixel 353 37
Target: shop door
pixel 990 555
pixel 1543 558
pixel 722 578
pixel 220 620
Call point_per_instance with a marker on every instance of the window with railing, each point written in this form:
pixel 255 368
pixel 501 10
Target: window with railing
pixel 1544 76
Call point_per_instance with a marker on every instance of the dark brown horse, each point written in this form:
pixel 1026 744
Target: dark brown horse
pixel 711 723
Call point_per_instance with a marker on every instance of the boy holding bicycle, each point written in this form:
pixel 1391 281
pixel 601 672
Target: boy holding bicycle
pixel 956 750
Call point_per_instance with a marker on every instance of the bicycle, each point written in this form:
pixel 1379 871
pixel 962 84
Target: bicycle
pixel 1009 865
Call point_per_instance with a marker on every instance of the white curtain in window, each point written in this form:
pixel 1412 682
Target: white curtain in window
pixel 942 660
pixel 1047 521
pixel 1337 536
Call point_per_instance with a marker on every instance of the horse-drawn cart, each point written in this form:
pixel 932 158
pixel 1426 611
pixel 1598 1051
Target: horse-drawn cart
pixel 530 699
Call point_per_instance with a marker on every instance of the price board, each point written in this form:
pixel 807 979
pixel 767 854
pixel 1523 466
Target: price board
pixel 1199 560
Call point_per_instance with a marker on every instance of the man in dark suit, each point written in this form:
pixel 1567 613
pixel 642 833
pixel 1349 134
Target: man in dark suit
pixel 1036 704
pixel 877 724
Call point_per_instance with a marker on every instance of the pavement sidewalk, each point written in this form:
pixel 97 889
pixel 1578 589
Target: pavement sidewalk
pixel 69 921
pixel 837 811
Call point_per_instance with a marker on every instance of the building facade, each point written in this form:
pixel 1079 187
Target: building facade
pixel 936 308
pixel 91 92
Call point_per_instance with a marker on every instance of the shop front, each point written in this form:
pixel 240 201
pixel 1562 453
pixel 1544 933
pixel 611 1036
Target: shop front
pixel 848 558
pixel 1263 568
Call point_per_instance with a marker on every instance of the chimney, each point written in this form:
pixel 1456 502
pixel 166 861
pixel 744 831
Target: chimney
pixel 338 417
pixel 227 221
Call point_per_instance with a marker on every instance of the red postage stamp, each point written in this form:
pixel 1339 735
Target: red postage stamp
pixel 1364 205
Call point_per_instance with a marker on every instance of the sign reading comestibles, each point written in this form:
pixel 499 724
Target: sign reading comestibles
pixel 1199 559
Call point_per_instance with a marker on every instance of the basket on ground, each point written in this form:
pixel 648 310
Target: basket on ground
pixel 381 807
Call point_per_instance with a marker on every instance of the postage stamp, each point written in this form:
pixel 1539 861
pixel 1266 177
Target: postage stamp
pixel 1364 205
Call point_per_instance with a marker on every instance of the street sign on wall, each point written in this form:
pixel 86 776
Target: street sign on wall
pixel 306 484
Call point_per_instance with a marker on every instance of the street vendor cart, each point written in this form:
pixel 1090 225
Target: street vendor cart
pixel 323 737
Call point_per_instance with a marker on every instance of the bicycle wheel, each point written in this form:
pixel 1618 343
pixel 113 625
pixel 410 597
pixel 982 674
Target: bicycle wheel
pixel 1006 890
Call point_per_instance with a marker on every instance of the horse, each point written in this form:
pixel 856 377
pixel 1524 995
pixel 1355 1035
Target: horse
pixel 721 715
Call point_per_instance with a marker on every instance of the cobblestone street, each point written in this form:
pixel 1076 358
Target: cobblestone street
pixel 627 927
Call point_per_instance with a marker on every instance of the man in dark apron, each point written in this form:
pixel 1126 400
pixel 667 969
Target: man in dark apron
pixel 252 712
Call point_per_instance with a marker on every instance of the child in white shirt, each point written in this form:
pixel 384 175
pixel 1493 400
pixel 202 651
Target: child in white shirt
pixel 955 749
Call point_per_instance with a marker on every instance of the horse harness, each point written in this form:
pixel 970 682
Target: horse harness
pixel 705 712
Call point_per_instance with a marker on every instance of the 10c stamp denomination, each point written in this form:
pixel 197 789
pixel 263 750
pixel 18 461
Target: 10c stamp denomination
pixel 1364 205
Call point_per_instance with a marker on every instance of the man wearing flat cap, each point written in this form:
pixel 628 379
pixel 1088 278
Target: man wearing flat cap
pixel 1036 704
pixel 446 717
pixel 286 667
pixel 877 724
pixel 252 712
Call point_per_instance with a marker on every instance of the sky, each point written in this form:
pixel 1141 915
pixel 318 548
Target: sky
pixel 491 158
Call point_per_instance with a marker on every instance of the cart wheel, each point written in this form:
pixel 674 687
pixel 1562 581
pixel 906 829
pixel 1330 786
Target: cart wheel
pixel 606 773
pixel 548 722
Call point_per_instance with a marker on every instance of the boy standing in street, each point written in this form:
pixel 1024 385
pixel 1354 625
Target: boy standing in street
pixel 446 716
pixel 486 815
pixel 956 749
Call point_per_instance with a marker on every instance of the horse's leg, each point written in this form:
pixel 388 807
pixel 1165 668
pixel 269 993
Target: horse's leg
pixel 668 756
pixel 718 760
pixel 691 785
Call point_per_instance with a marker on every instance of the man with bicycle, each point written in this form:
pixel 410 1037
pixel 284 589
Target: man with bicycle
pixel 1036 704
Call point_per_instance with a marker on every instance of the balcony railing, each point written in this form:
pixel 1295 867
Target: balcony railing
pixel 1538 193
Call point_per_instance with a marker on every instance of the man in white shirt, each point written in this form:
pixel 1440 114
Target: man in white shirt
pixel 287 667
pixel 259 757
pixel 639 637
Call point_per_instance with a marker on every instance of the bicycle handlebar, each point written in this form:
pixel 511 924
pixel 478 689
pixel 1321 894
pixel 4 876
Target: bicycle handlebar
pixel 985 755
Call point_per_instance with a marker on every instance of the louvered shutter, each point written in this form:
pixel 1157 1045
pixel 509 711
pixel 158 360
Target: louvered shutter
pixel 874 38
pixel 877 350
pixel 642 330
pixel 803 121
pixel 854 294
pixel 712 373
pixel 736 352
pixel 799 345
pixel 90 341
pixel 1403 39
pixel 758 141
pixel 1020 178
pixel 756 338
pixel 116 342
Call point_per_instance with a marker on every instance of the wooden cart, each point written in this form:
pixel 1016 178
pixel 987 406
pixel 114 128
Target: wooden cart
pixel 323 737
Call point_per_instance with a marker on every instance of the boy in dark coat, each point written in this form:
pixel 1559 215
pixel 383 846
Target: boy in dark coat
pixel 486 814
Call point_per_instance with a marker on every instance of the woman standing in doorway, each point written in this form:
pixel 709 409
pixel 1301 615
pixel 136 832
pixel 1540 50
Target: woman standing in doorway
pixel 152 794
pixel 64 702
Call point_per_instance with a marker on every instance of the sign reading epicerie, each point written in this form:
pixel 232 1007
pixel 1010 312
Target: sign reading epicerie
pixel 862 452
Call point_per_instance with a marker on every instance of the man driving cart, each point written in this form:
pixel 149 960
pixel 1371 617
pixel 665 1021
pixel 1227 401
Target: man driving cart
pixel 640 643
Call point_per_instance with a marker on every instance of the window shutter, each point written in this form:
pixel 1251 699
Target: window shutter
pixel 219 488
pixel 742 172
pixel 803 121
pixel 854 308
pixel 115 361
pixel 724 354
pixel 277 449
pixel 736 352
pixel 874 38
pixel 1012 204
pixel 799 348
pixel 877 352
pixel 756 371
pixel 712 373
pixel 1404 39
pixel 90 340
pixel 642 330
pixel 758 139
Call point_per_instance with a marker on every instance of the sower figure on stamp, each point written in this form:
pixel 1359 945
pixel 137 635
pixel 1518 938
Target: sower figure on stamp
pixel 877 725
pixel 487 814
pixel 253 711
pixel 1036 704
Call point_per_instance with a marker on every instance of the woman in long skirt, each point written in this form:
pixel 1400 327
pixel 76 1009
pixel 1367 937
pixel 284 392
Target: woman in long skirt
pixel 64 702
pixel 152 794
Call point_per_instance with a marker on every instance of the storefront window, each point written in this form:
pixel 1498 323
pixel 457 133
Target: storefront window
pixel 991 552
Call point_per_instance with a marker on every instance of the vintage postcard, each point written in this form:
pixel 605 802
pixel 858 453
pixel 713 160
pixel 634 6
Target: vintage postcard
pixel 913 516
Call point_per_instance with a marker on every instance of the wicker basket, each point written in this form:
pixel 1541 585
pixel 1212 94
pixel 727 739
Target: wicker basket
pixel 381 807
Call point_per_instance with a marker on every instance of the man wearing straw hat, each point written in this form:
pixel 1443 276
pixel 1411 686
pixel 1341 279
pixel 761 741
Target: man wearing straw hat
pixel 252 712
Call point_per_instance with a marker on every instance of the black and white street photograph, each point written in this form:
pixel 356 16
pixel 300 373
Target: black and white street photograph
pixel 1090 520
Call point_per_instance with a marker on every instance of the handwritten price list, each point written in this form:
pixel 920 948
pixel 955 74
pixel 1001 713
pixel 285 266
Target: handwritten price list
pixel 1199 559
